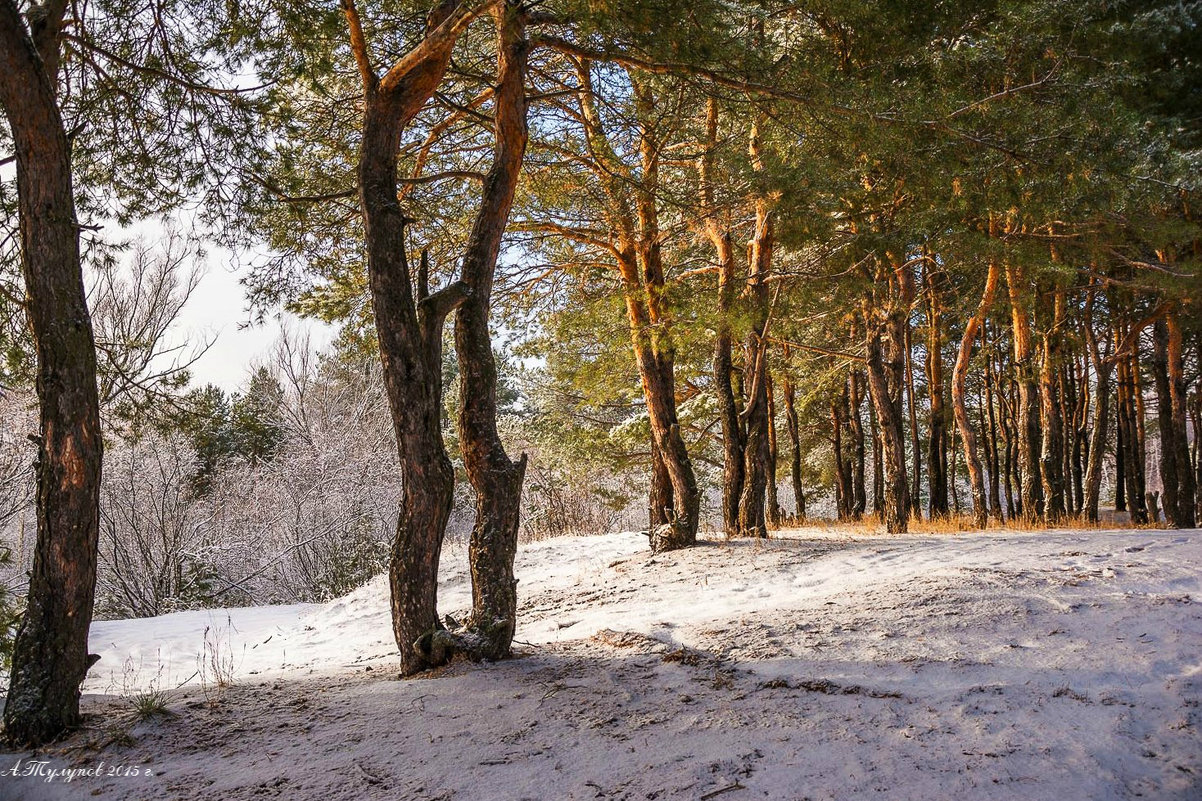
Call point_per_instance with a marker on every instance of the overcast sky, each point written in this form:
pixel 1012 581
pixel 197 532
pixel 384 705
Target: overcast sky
pixel 217 312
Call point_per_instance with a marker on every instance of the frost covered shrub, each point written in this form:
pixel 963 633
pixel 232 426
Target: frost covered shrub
pixel 154 544
pixel 308 520
pixel 17 452
pixel 318 518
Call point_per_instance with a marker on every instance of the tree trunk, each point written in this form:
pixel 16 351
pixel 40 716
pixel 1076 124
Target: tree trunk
pixel 1101 417
pixel 409 327
pixel 660 509
pixel 915 492
pixel 991 449
pixel 733 440
pixel 1028 396
pixel 1051 459
pixel 859 500
pixel 843 501
pixel 50 657
pixel 496 479
pixel 772 512
pixel 1176 470
pixel 752 521
pixel 1187 488
pixel 893 447
pixel 1132 480
pixel 937 433
pixel 959 378
pixel 1139 426
pixel 794 449
pixel 1164 415
pixel 878 472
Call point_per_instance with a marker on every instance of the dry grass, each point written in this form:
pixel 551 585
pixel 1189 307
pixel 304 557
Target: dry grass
pixel 870 526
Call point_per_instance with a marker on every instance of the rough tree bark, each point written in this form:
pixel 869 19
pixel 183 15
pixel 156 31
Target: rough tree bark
pixel 752 513
pixel 972 458
pixel 991 440
pixel 718 232
pixel 495 477
pixel 1164 415
pixel 915 491
pixel 1051 459
pixel 409 325
pixel 892 444
pixel 1028 395
pixel 772 510
pixel 1176 471
pixel 50 657
pixel 1187 488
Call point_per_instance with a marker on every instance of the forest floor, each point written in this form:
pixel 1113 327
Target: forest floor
pixel 820 664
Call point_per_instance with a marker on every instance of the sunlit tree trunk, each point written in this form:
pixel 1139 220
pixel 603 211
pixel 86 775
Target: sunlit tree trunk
pixel 959 378
pixel 1028 394
pixel 409 325
pixel 496 479
pixel 718 233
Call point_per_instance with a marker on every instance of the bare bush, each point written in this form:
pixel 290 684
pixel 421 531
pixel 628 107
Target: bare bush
pixel 316 520
pixel 153 531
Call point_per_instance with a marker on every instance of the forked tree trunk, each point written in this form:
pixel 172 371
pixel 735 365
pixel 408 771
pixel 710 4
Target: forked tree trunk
pixel 660 503
pixel 50 657
pixel 496 479
pixel 409 326
pixel 959 377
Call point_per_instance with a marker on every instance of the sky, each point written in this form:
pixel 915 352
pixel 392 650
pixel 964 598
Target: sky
pixel 217 312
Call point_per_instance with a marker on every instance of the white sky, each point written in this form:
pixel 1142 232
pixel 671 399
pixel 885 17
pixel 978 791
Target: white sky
pixel 217 312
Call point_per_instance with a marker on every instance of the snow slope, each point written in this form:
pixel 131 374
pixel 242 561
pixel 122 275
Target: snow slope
pixel 1052 665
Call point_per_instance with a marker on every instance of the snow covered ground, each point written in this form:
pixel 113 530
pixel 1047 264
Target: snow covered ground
pixel 818 665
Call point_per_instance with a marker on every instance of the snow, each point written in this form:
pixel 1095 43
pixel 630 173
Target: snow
pixel 825 663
